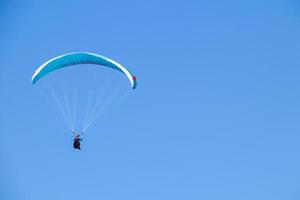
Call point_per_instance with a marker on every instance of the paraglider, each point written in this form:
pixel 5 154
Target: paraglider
pixel 80 58
pixel 76 141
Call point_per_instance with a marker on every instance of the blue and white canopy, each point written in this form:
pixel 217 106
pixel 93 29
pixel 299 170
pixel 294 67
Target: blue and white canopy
pixel 80 58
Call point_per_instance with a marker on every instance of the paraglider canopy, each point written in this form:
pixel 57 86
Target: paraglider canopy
pixel 80 58
pixel 92 100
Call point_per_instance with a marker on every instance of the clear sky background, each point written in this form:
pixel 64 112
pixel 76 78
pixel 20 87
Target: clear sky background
pixel 215 116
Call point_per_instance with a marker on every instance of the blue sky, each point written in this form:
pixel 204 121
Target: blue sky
pixel 215 115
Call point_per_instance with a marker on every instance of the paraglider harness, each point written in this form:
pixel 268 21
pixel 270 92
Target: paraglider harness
pixel 76 141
